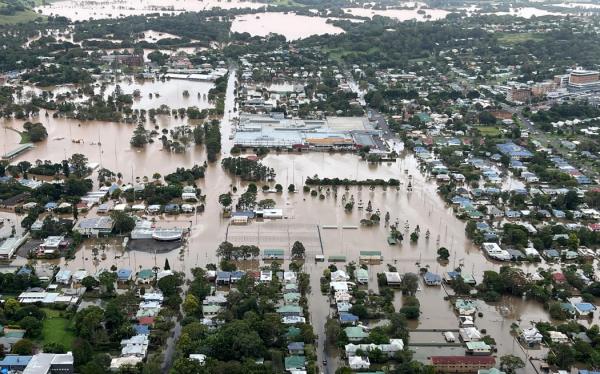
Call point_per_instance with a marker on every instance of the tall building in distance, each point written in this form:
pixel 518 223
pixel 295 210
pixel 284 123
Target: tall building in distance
pixel 579 80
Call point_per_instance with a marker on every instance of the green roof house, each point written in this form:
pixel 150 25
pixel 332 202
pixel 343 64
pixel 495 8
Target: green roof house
pixel 355 333
pixel 293 363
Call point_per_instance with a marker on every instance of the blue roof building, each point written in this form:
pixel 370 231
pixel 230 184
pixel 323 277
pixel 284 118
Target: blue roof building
pixel 515 152
pixel 348 318
pixel 14 362
pixel 141 329
pixel 124 274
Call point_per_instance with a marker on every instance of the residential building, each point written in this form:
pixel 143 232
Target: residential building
pixel 355 333
pixel 531 336
pixel 358 362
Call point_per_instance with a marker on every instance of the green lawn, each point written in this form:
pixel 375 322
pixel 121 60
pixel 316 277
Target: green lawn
pixel 489 131
pixel 57 329
pixel 510 38
pixel 285 3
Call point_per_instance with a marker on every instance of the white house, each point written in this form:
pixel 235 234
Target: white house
pixel 358 363
pixel 531 336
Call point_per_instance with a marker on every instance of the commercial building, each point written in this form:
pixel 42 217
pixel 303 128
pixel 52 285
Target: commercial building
pixel 520 94
pixel 94 226
pixel 462 364
pixel 275 131
pixel 10 246
pixel 47 363
pixel 584 80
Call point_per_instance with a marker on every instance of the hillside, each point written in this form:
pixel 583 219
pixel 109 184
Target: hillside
pixel 15 11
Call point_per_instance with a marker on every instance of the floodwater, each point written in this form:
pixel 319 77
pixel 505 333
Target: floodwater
pixel 170 92
pixel 290 25
pixel 418 14
pixel 80 10
pixel 305 219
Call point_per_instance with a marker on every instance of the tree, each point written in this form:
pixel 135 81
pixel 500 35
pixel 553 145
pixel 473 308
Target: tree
pixel 140 136
pixel 107 280
pixel 443 254
pixel 32 326
pixel 168 285
pixel 225 250
pixel 89 282
pixel 510 363
pixel 410 283
pixel 23 347
pixel 291 188
pixel 225 200
pixel 54 347
pixel 123 222
pixel 167 266
pixel 79 163
pixel 298 249
pixel 191 305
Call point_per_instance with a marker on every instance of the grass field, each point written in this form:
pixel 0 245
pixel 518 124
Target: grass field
pixel 57 329
pixel 509 38
pixel 489 131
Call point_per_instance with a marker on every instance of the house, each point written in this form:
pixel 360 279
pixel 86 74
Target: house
pixel 558 337
pixel 292 298
pixel 478 349
pixel 531 336
pixel 289 277
pixel 582 309
pixel 293 363
pixel 469 334
pixel 348 319
pixel 124 275
pixel 223 278
pixel 137 345
pixel 494 251
pixel 198 357
pixel 296 348
pixel 462 364
pixel 266 276
pixel 465 307
pixel 355 333
pixel 290 310
pixel 361 275
pixel 211 311
pixel 145 276
pixel 292 320
pixel 393 278
pixel 432 279
pixel 358 362
pixel 389 349
pixel 339 276
pixel 559 277
pixel 63 276
pixel 273 254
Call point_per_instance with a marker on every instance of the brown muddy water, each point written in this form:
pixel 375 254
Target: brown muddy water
pixel 306 217
pixel 290 25
pixel 80 10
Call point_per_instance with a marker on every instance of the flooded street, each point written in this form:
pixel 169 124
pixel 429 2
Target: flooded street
pixel 322 224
